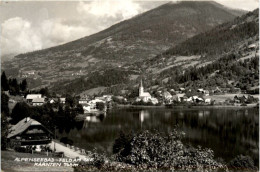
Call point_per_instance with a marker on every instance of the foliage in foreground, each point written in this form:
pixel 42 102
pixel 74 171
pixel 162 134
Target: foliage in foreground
pixel 155 151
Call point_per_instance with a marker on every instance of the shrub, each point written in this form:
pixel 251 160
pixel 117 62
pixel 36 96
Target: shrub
pixel 122 142
pixel 242 163
pixel 148 150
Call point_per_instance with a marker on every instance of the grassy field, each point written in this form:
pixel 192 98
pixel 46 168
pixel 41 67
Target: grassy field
pixel 9 165
pixel 222 98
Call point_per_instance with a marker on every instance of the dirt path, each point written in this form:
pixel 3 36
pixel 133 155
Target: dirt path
pixel 67 151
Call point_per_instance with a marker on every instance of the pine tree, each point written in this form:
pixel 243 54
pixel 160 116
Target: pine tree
pixel 4 82
pixel 23 85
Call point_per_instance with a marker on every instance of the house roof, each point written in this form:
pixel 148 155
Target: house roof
pixel 38 100
pixel 166 93
pixel 22 125
pixel 33 96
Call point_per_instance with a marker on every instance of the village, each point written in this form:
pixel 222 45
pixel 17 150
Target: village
pixel 160 97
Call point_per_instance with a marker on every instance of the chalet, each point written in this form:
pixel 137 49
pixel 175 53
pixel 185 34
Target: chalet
pixel 29 132
pixel 37 101
pixel 30 97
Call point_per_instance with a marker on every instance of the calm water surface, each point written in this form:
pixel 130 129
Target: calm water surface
pixel 228 132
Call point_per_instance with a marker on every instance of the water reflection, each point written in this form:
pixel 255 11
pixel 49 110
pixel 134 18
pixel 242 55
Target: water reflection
pixel 93 119
pixel 143 115
pixel 229 132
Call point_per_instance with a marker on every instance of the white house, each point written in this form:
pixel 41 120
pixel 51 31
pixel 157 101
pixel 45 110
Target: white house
pixel 154 100
pixel 62 100
pixel 30 97
pixel 180 97
pixel 208 100
pixel 37 101
pixel 83 101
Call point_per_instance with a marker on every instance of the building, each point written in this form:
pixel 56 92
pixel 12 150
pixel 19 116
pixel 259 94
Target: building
pixel 37 101
pixel 62 100
pixel 145 96
pixel 29 132
pixel 30 97
pixel 83 101
pixel 180 97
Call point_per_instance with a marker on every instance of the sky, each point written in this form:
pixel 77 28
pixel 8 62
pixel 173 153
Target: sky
pixel 33 25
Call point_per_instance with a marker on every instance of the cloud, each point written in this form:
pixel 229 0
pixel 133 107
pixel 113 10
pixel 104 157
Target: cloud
pixel 56 31
pixel 120 9
pixel 20 36
pixel 17 35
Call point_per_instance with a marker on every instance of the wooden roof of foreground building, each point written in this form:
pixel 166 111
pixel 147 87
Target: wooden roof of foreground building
pixel 24 125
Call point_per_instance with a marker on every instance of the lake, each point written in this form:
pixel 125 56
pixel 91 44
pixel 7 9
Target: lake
pixel 227 131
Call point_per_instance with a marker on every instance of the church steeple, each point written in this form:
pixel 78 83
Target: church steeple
pixel 141 88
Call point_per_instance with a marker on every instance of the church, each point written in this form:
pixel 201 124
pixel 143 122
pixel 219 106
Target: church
pixel 145 96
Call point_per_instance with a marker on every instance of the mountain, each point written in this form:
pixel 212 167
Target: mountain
pixel 225 56
pixel 139 38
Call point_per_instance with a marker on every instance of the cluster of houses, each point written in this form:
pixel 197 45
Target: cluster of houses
pixel 91 105
pixel 176 96
pixel 39 100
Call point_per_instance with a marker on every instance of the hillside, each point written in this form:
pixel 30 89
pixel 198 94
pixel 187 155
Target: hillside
pixel 125 43
pixel 226 56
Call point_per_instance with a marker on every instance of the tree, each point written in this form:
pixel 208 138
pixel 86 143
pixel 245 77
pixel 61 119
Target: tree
pixel 4 131
pixel 4 104
pixel 14 87
pixel 20 111
pixel 4 82
pixel 79 109
pixel 100 106
pixel 70 100
pixel 44 92
pixel 23 85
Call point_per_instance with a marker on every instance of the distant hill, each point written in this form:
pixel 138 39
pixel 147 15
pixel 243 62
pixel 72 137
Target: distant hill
pixel 137 39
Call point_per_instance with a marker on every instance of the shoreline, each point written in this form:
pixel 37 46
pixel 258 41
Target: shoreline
pixel 187 107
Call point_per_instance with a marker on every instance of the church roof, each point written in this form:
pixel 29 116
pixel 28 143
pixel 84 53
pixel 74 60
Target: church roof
pixel 145 94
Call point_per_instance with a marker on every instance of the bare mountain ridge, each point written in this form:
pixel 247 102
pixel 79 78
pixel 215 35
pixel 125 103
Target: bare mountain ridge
pixel 136 39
